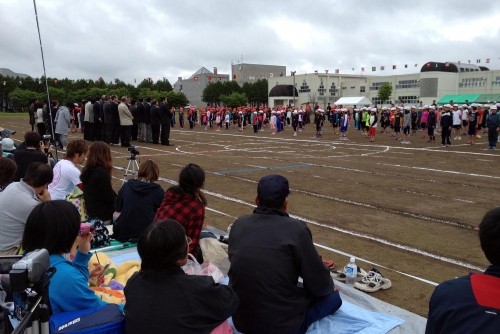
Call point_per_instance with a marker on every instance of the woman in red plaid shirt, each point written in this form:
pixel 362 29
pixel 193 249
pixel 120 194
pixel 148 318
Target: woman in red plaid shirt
pixel 186 204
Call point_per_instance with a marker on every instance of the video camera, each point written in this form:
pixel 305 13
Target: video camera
pixel 133 151
pixel 29 270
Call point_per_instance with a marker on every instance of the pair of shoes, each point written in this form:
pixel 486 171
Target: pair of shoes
pixel 373 281
pixel 339 275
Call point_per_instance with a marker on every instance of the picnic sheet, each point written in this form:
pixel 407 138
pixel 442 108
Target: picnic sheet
pixel 360 312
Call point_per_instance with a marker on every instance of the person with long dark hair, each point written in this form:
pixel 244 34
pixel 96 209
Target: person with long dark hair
pixel 98 192
pixel 186 204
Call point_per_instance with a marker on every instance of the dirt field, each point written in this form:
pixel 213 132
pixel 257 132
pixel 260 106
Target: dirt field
pixel 409 210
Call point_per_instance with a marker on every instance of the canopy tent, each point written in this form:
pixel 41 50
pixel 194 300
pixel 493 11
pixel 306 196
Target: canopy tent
pixel 353 100
pixel 488 98
pixel 459 98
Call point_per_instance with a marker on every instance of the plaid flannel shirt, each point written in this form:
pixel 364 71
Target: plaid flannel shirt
pixel 188 210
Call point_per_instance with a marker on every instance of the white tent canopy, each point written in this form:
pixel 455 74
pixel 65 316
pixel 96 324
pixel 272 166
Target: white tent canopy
pixel 353 100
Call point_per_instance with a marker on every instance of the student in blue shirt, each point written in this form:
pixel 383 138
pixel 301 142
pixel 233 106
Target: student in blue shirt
pixel 55 226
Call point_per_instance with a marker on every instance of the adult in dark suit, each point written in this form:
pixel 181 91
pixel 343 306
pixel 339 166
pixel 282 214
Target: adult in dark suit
pixel 155 121
pixel 148 136
pixel 166 118
pixel 140 119
pixel 135 120
pixel 107 121
pixel 97 107
pixel 115 120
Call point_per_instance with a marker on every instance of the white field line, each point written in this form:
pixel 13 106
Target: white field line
pixel 441 171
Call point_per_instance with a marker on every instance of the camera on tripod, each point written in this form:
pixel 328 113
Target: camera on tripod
pixel 133 151
pixel 28 280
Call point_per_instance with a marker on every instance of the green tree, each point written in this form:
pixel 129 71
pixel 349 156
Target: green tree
pixel 235 99
pixel 177 99
pixel 20 98
pixel 211 94
pixel 384 92
pixel 163 85
pixel 146 83
pixel 261 90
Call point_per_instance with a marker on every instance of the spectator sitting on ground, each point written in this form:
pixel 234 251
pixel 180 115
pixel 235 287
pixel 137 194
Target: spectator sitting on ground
pixel 161 296
pixel 18 200
pixel 137 202
pixel 268 252
pixel 66 174
pixel 98 192
pixel 8 148
pixel 34 152
pixel 186 204
pixel 471 304
pixel 8 170
pixel 55 226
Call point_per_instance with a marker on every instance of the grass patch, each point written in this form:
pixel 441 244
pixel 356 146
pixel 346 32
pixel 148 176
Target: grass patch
pixel 14 115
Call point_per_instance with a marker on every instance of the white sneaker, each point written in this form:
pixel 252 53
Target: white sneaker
pixel 373 281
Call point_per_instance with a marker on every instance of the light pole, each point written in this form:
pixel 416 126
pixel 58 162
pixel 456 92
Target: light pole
pixel 293 90
pixel 326 85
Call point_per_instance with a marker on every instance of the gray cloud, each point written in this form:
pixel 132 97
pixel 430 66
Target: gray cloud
pixel 152 38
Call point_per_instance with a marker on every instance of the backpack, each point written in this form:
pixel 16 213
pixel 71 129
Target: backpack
pixel 101 236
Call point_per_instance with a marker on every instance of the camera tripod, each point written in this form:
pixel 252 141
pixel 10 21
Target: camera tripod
pixel 132 168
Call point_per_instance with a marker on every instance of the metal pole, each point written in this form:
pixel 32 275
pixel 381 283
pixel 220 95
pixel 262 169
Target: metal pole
pixel 46 81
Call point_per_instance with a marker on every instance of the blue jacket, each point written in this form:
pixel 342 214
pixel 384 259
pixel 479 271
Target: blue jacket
pixel 469 304
pixel 69 289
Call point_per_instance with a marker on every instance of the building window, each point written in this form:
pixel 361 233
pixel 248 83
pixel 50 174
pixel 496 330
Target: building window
pixel 473 82
pixel 304 88
pixel 408 84
pixel 321 89
pixel 408 99
pixel 362 89
pixel 377 85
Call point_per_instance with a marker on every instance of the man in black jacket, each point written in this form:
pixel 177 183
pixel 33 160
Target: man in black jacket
pixel 268 252
pixel 148 135
pixel 140 119
pixel 166 118
pixel 155 121
pixel 446 123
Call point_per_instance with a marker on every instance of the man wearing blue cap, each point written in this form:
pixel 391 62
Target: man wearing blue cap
pixel 268 252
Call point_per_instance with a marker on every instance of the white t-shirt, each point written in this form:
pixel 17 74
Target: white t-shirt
pixel 66 177
pixel 465 115
pixel 457 117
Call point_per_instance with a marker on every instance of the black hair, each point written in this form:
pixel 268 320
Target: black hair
pixel 162 245
pixel 38 174
pixel 8 168
pixel 53 225
pixel 32 139
pixel 191 180
pixel 489 235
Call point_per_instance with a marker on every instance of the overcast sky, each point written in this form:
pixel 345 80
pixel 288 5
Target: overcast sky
pixel 131 39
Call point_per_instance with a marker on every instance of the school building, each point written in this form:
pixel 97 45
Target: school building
pixel 440 82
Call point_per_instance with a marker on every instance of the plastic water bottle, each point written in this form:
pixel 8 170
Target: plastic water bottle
pixel 351 272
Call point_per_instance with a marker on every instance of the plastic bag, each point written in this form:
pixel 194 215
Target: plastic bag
pixel 192 267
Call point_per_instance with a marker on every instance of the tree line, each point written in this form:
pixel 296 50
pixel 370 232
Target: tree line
pixel 15 93
pixel 230 94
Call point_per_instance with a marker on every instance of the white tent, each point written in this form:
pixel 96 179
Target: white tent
pixel 353 100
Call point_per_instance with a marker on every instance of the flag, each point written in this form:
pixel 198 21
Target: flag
pixel 478 61
pixel 326 71
pixel 337 71
pixel 459 62
pixel 416 65
pixel 469 61
pixel 362 69
pixel 374 68
pixel 135 80
pixel 394 67
pixel 353 67
pixel 271 75
pixel 406 65
pixel 209 78
pixel 487 60
pixel 382 68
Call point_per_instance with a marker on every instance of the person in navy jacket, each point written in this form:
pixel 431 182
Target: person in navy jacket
pixel 471 304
